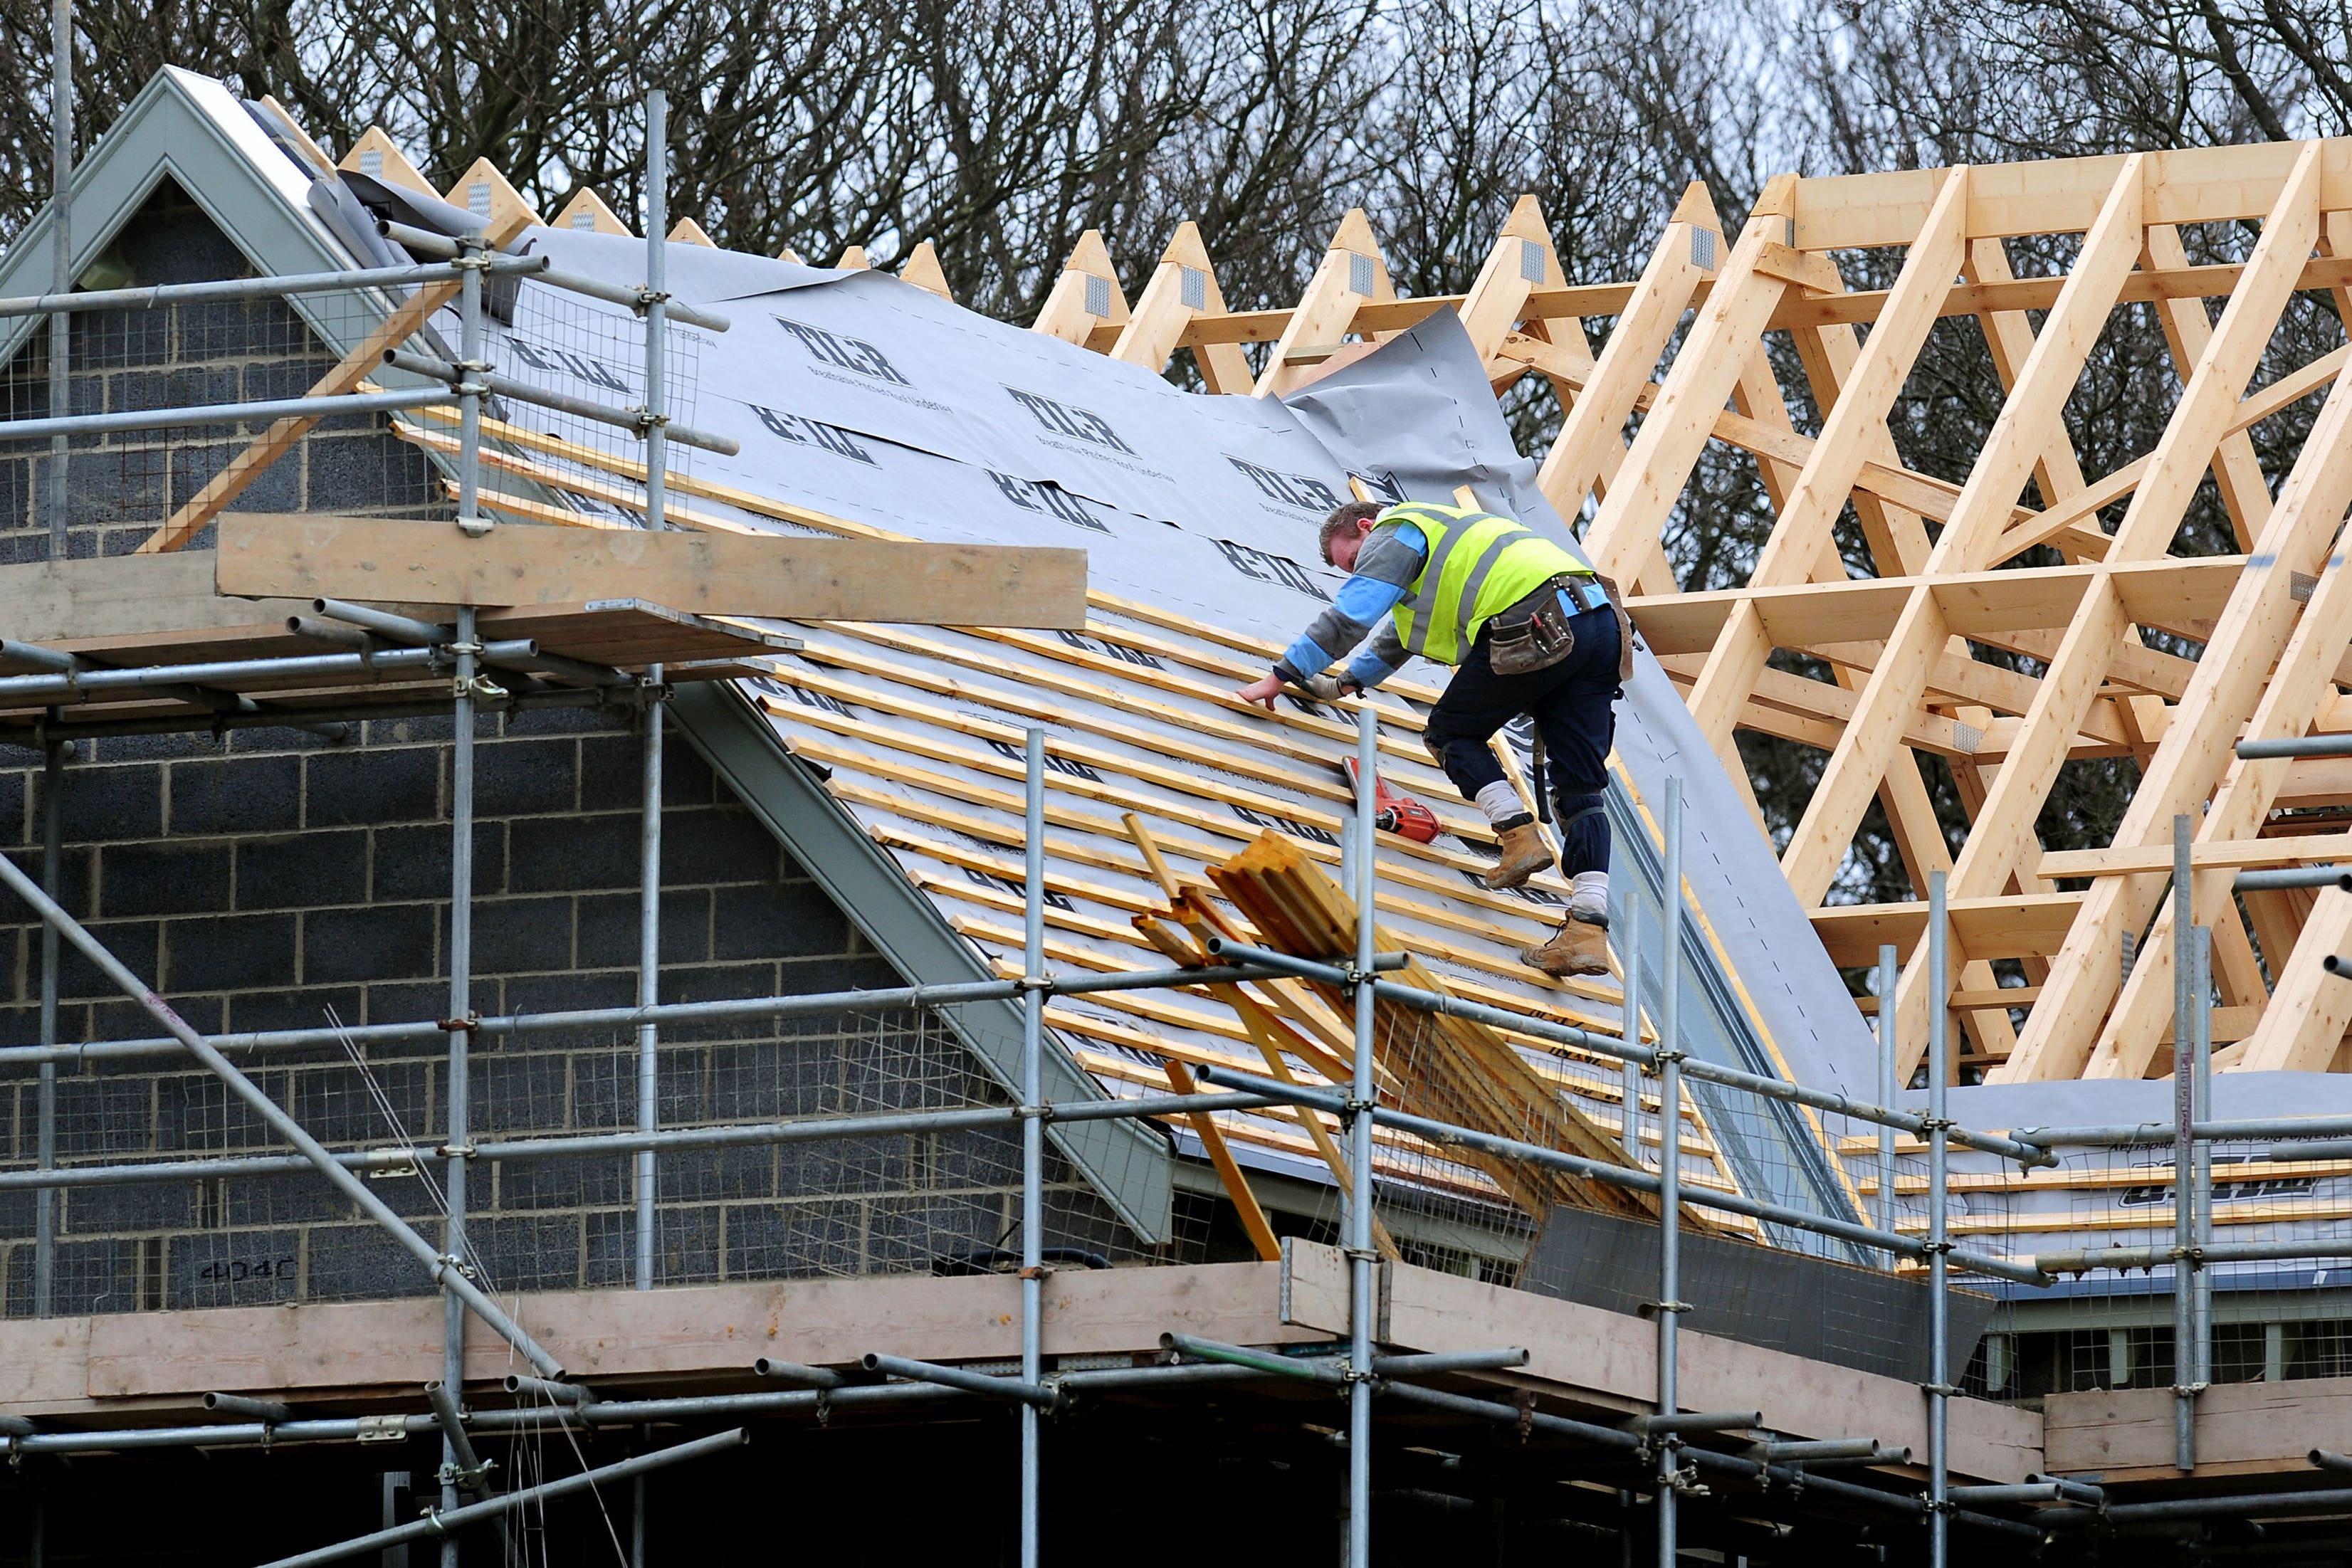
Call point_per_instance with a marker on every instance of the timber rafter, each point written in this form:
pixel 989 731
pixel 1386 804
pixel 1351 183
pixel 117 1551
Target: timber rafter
pixel 1946 644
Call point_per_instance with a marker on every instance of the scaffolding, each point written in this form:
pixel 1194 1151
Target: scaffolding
pixel 1673 1447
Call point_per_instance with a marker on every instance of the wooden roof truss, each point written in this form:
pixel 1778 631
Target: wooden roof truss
pixel 1905 644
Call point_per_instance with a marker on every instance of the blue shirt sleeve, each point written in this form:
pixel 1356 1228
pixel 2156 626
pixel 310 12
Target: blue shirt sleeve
pixel 1364 603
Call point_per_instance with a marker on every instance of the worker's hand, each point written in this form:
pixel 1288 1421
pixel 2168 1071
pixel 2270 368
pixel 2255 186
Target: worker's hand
pixel 1332 688
pixel 1264 689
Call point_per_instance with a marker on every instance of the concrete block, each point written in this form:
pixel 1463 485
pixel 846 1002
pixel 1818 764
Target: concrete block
pixel 105 804
pixel 132 942
pixel 609 925
pixel 845 1166
pixel 232 1269
pixel 603 1181
pixel 414 863
pixel 360 1262
pixel 811 977
pixel 241 795
pixel 687 1244
pixel 609 1240
pixel 300 1198
pixel 569 854
pixel 343 1106
pixel 378 942
pixel 519 1090
pixel 304 1009
pixel 365 472
pixel 301 870
pixel 788 920
pixel 100 1276
pixel 375 785
pixel 717 845
pixel 916 1234
pixel 769 1080
pixel 278 488
pixel 77 871
pixel 709 1176
pixel 195 1114
pixel 528 1251
pixel 558 993
pixel 178 386
pixel 163 878
pixel 512 778
pixel 422 1002
pixel 770 1242
pixel 521 935
pixel 231 952
pixel 131 1206
pixel 104 1117
pixel 570 721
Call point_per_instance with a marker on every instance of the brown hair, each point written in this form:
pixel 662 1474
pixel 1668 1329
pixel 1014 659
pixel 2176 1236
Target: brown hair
pixel 1343 520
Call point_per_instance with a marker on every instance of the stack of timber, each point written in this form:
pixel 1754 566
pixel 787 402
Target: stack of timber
pixel 1447 1069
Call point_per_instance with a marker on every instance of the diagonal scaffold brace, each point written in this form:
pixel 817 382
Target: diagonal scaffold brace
pixel 445 1271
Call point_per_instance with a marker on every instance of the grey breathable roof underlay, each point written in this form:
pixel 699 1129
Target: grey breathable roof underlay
pixel 862 396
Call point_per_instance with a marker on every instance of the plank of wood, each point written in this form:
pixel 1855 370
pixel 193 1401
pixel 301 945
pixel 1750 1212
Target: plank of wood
pixel 1086 273
pixel 2007 927
pixel 366 1346
pixel 1826 481
pixel 125 596
pixel 2020 432
pixel 2060 1034
pixel 1325 312
pixel 2126 1434
pixel 1614 1354
pixel 379 560
pixel 2179 595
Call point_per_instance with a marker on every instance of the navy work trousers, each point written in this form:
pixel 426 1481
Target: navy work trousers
pixel 1573 706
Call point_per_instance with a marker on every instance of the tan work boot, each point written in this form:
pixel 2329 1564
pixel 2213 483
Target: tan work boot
pixel 1578 947
pixel 1524 854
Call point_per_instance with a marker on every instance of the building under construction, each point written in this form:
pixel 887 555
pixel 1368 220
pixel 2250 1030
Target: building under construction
pixel 643 926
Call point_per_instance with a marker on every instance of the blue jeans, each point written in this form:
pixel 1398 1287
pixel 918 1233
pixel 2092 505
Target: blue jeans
pixel 1573 706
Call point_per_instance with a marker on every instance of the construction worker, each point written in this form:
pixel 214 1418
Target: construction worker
pixel 1530 629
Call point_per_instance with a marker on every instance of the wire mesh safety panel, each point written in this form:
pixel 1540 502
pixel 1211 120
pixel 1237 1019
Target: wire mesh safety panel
pixel 127 484
pixel 925 1203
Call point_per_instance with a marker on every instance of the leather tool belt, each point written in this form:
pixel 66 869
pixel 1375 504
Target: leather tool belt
pixel 1535 633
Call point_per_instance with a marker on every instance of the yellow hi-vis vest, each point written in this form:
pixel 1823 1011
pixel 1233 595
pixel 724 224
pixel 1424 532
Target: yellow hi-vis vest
pixel 1479 566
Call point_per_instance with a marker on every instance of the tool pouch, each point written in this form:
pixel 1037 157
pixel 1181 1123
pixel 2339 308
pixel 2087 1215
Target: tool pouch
pixel 1624 628
pixel 1533 635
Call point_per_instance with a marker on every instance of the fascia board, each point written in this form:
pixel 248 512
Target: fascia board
pixel 194 130
pixel 1132 1166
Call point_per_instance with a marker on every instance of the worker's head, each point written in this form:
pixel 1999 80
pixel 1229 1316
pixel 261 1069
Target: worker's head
pixel 1344 530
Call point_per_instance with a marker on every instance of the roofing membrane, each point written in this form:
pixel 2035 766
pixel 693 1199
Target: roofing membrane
pixel 866 406
pixel 862 403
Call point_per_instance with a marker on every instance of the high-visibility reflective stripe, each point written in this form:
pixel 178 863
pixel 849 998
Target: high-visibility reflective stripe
pixel 1478 565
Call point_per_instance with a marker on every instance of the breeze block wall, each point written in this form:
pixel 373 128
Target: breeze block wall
pixel 273 881
pixel 124 485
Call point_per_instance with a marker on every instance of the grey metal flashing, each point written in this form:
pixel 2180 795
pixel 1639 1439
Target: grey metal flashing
pixel 1132 1166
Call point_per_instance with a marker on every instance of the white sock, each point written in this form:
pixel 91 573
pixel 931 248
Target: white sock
pixel 1501 802
pixel 1591 894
